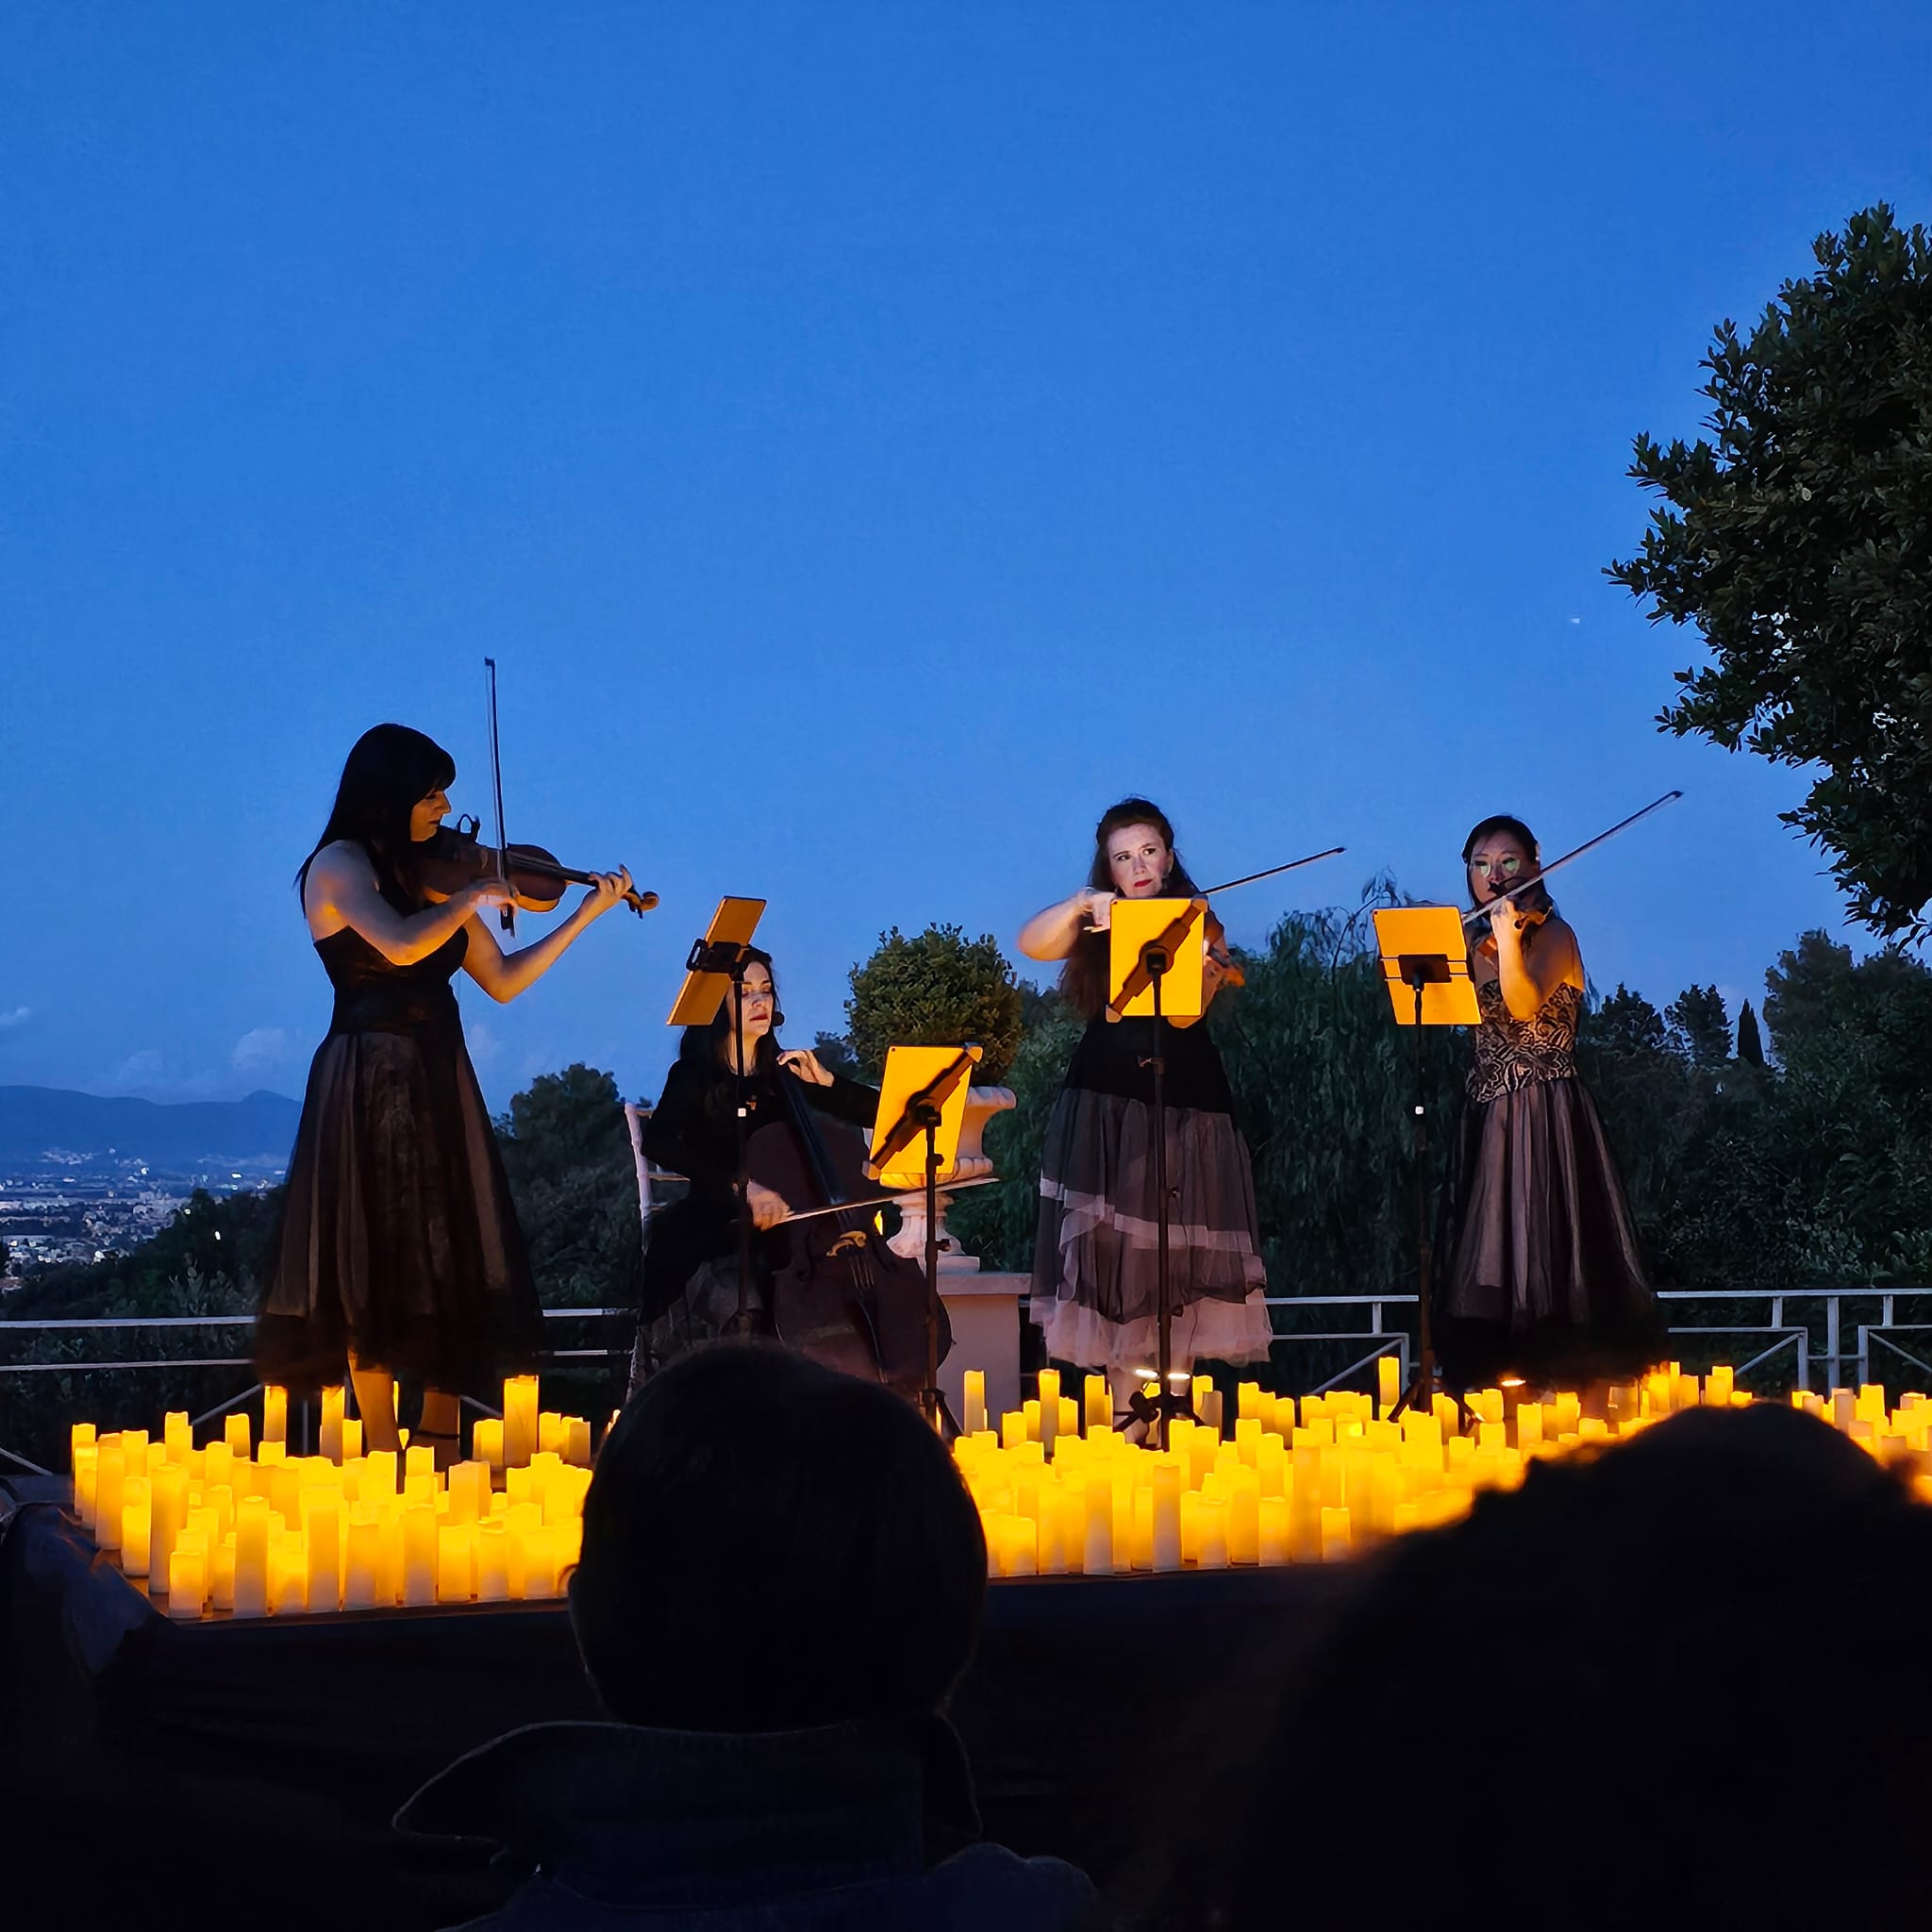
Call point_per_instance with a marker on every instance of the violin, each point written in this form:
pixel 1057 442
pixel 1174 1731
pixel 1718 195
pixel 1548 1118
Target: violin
pixel 1228 969
pixel 1528 918
pixel 840 1294
pixel 453 857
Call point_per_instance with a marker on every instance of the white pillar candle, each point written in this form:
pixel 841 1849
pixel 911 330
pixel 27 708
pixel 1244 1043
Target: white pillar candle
pixel 250 1556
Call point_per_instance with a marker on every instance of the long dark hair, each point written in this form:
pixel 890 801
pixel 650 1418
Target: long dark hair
pixel 391 770
pixel 1537 899
pixel 707 1045
pixel 1083 976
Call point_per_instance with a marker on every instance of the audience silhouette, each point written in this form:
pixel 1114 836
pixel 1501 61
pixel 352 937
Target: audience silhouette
pixel 782 1579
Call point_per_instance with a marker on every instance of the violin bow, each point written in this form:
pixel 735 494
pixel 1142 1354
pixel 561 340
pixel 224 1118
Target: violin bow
pixel 506 916
pixel 1536 879
pixel 1274 870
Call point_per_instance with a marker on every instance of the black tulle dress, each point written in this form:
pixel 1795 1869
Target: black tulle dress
pixel 398 1240
pixel 1541 1275
pixel 1095 1255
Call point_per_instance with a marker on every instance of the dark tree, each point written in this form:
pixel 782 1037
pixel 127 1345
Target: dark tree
pixel 1700 1026
pixel 1627 1023
pixel 1798 538
pixel 835 1054
pixel 1750 1040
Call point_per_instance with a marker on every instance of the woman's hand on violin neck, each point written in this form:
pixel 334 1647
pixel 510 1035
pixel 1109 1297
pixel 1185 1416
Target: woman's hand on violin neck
pixel 805 1063
pixel 608 890
pixel 768 1207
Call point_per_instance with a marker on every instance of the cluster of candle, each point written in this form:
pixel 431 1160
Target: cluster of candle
pixel 246 1529
pixel 1059 1492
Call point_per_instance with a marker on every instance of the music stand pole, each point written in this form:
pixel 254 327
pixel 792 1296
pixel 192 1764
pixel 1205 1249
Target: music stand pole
pixel 1422 1388
pixel 740 1321
pixel 1157 963
pixel 931 1401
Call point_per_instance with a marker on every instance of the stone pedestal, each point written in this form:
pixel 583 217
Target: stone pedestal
pixel 984 1310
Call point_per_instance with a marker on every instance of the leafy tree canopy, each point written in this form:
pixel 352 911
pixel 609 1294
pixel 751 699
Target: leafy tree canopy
pixel 935 990
pixel 1798 538
pixel 1701 1026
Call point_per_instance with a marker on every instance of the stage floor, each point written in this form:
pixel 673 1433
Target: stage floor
pixel 272 1753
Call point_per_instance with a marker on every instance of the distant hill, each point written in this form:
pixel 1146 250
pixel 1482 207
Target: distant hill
pixel 37 1121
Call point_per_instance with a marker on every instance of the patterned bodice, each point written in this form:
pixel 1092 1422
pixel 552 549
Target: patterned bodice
pixel 1512 1054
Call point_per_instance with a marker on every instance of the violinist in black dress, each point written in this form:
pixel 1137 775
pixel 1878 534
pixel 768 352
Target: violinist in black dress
pixel 691 1262
pixel 1096 1267
pixel 398 1253
pixel 1542 1278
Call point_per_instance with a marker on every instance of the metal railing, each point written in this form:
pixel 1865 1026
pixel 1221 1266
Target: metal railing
pixel 1780 1334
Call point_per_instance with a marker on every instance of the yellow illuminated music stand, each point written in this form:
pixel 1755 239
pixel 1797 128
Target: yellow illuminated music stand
pixel 923 1098
pixel 1143 932
pixel 708 969
pixel 1425 953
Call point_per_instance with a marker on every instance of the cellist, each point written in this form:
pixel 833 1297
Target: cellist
pixel 691 1264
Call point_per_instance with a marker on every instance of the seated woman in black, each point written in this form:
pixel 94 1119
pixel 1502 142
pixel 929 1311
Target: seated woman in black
pixel 691 1263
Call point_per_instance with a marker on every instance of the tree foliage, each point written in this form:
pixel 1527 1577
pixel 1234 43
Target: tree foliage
pixel 935 990
pixel 1798 538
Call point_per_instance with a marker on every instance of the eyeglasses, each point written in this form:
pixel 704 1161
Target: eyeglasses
pixel 1508 866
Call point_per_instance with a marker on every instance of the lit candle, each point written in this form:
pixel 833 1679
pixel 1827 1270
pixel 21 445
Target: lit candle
pixel 519 1421
pixel 1214 1537
pixel 81 1436
pixel 1244 1521
pixel 418 1553
pixel 1272 1536
pixel 492 1561
pixel 250 1556
pixel 1099 1401
pixel 288 1575
pixel 1168 1548
pixel 222 1574
pixel 352 1438
pixel 1140 1545
pixel 330 1441
pixel 1012 1429
pixel 1388 1382
pixel 972 1401
pixel 176 1437
pixel 486 1442
pixel 1337 1542
pixel 1070 1417
pixel 325 1532
pixel 550 1433
pixel 168 1505
pixel 187 1580
pixel 136 1516
pixel 1096 1559
pixel 469 1484
pixel 576 1446
pixel 363 1557
pixel 235 1433
pixel 110 1469
pixel 274 1414
pixel 218 1466
pixel 1020 1555
pixel 85 1462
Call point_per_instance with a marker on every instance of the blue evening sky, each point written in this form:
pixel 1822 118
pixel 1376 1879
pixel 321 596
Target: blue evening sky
pixel 869 438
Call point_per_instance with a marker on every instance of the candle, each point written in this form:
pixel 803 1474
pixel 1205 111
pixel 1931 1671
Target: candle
pixel 1336 1541
pixel 492 1561
pixel 1274 1541
pixel 519 1421
pixel 274 1414
pixel 1141 1542
pixel 1244 1522
pixel 288 1575
pixel 110 1467
pixel 324 1530
pixel 1214 1538
pixel 176 1437
pixel 1096 1559
pixel 352 1438
pixel 1388 1383
pixel 363 1557
pixel 135 1519
pixel 218 1466
pixel 418 1553
pixel 331 1439
pixel 187 1580
pixel 1012 1429
pixel 486 1442
pixel 81 1436
pixel 469 1484
pixel 1529 1425
pixel 577 1448
pixel 235 1433
pixel 250 1556
pixel 222 1574
pixel 86 1460
pixel 1099 1401
pixel 1020 1554
pixel 972 1401
pixel 1070 1417
pixel 168 1511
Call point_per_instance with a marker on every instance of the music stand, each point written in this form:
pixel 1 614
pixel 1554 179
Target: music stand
pixel 715 962
pixel 924 1093
pixel 1425 953
pixel 1156 967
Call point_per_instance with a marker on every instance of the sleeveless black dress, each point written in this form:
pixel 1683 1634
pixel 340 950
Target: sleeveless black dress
pixel 1542 1275
pixel 1095 1257
pixel 398 1240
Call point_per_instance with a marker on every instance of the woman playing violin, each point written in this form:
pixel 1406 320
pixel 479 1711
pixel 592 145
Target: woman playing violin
pixel 398 1253
pixel 1542 1278
pixel 1096 1290
pixel 690 1265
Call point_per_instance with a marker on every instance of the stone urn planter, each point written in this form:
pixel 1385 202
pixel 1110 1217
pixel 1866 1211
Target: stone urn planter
pixel 982 1103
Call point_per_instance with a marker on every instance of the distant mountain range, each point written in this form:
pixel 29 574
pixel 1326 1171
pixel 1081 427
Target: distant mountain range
pixel 37 1122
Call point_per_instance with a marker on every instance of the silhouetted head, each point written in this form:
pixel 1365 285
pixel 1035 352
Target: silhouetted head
pixel 1625 1681
pixel 771 1545
pixel 392 772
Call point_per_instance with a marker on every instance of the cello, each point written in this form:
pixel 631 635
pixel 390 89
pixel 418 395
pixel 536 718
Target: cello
pixel 840 1294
